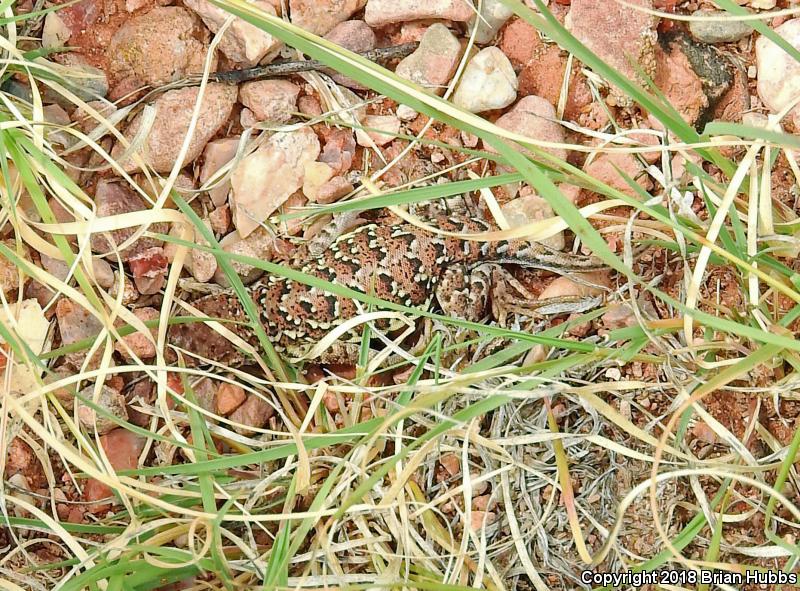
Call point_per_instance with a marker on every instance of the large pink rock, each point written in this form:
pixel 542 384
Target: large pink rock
pixel 173 113
pixel 115 198
pixel 385 12
pixel 534 117
pixel 162 45
pixel 265 179
pixel 681 86
pixel 274 101
pixel 122 448
pixel 434 62
pixel 622 37
pixel 320 16
pixel 242 42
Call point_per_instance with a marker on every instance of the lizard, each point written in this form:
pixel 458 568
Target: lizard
pixel 390 259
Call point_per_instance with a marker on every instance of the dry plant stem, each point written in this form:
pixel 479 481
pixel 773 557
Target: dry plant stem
pixel 286 68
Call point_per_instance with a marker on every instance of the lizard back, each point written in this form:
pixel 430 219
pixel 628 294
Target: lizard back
pixel 394 261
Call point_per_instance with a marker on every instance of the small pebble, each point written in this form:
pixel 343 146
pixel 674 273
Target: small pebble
pixel 406 113
pixel 721 30
pixel 381 129
pixel 107 399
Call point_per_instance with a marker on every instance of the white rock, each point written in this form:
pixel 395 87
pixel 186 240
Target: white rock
pixel 387 126
pixel 266 178
pixel 406 113
pixel 762 4
pixel 242 42
pixel 494 14
pixel 55 32
pixel 488 82
pixel 778 72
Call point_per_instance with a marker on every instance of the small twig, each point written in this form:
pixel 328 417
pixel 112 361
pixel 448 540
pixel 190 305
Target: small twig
pixel 287 68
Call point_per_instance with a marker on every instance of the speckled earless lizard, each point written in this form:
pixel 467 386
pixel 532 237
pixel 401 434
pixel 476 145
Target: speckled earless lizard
pixel 389 259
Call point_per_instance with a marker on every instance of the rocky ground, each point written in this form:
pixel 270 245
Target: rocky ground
pixel 500 67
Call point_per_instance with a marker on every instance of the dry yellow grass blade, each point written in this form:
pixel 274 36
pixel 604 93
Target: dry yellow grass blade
pixel 711 235
pixel 539 230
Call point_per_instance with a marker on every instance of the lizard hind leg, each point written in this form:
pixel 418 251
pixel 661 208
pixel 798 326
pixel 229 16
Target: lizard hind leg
pixel 487 290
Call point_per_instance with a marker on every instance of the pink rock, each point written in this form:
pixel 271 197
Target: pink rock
pixel 173 113
pixel 378 129
pixel 339 150
pixel 220 219
pixel 140 344
pixel 620 36
pixel 162 45
pixel 20 458
pixel 320 16
pixel 242 42
pixel 356 36
pixel 274 101
pixel 681 86
pixel 202 264
pixel 605 169
pixel 229 397
pixel 266 178
pixel 75 323
pixel 217 154
pixel 520 42
pixel 384 12
pixel 534 117
pixel 309 105
pixel 333 190
pixel 434 62
pixel 115 198
pixel 253 413
pixel 481 519
pixel 451 463
pixel 316 175
pixel 149 270
pixel 122 448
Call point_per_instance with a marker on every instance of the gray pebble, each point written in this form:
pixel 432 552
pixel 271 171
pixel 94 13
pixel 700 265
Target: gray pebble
pixel 721 30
